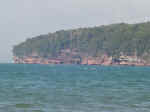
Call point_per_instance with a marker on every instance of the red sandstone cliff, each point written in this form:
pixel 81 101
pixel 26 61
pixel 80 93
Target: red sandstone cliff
pixel 73 57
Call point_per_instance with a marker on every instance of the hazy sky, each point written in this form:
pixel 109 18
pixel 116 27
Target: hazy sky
pixel 21 19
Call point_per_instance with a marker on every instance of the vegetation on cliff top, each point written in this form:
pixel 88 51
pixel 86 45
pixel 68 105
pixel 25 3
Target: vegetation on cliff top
pixel 111 39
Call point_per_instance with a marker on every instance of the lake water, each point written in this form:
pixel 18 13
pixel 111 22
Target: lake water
pixel 73 88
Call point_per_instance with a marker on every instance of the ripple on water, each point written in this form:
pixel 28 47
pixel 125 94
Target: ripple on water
pixel 70 88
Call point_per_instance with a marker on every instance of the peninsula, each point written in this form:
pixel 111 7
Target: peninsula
pixel 115 44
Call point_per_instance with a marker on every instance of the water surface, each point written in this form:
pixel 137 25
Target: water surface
pixel 72 88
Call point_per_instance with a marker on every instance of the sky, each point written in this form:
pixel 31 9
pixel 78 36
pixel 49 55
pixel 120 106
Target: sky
pixel 22 19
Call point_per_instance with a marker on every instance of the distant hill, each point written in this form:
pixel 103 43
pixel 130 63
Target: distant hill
pixel 113 40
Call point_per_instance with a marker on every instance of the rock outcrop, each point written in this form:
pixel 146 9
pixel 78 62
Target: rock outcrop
pixel 73 57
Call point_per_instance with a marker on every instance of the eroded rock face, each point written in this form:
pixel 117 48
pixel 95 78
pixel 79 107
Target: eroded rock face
pixel 74 57
pixel 103 60
pixel 33 60
pixel 106 61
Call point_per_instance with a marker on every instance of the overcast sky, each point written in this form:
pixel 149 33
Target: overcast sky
pixel 21 19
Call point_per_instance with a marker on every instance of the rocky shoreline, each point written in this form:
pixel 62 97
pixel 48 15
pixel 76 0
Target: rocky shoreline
pixel 104 60
pixel 73 56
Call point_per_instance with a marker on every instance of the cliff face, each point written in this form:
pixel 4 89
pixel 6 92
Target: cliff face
pixel 123 44
pixel 72 57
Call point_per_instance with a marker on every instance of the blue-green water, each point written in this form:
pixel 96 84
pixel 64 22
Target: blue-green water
pixel 71 88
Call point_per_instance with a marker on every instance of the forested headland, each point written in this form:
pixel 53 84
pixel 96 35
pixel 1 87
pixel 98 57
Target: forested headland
pixel 113 40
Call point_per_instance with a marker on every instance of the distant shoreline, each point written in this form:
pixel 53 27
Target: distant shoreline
pixel 116 44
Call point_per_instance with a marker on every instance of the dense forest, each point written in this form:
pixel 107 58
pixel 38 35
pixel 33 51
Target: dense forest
pixel 114 39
